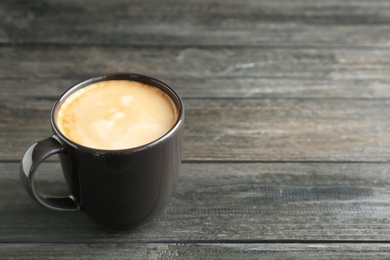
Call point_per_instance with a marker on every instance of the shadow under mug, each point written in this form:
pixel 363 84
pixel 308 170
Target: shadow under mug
pixel 116 188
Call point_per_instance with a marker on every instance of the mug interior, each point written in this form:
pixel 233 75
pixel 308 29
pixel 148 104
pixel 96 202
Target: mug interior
pixel 122 76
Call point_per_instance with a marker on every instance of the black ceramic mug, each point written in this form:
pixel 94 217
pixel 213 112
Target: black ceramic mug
pixel 117 188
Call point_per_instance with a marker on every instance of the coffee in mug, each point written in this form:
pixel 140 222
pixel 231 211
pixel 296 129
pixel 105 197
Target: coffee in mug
pixel 116 114
pixel 119 139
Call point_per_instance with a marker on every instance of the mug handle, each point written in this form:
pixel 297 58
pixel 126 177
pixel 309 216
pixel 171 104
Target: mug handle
pixel 33 157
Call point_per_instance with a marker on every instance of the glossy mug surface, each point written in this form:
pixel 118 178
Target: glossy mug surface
pixel 121 173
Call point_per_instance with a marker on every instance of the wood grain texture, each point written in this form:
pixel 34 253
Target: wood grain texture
pixel 316 125
pixel 287 149
pixel 229 87
pixel 217 22
pixel 242 130
pixel 222 203
pixel 270 62
pixel 195 251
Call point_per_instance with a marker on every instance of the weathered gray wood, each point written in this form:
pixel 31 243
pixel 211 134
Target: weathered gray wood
pixel 271 62
pixel 301 85
pixel 195 251
pixel 232 23
pixel 233 87
pixel 242 130
pixel 222 203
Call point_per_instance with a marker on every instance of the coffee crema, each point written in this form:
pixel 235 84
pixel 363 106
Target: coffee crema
pixel 116 114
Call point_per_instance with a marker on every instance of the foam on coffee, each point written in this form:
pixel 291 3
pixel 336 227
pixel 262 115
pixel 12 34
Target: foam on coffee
pixel 116 114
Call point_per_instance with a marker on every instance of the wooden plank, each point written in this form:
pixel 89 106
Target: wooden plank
pixel 224 87
pixel 242 130
pixel 79 62
pixel 195 251
pixel 233 23
pixel 223 203
pixel 202 73
pixel 285 130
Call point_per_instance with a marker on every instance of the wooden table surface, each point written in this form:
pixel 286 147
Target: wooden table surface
pixel 287 138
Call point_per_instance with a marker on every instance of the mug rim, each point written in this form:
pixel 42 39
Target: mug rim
pixel 119 76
